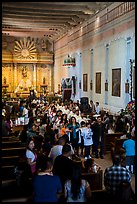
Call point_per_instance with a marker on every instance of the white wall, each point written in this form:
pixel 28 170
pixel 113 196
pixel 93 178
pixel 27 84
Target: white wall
pixel 115 34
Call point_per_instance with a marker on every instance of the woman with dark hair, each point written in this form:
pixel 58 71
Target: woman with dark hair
pixel 31 154
pixel 73 129
pixel 77 189
pixel 46 186
pixel 64 118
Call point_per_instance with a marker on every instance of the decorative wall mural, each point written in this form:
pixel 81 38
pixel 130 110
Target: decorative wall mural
pixel 25 49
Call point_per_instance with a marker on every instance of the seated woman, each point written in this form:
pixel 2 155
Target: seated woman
pixel 89 166
pixel 46 186
pixel 77 189
pixel 31 155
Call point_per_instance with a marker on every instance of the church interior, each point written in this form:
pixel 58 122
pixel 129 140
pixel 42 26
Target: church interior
pixel 68 51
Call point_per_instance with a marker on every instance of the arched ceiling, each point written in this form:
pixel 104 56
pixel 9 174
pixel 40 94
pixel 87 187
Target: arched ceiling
pixel 50 19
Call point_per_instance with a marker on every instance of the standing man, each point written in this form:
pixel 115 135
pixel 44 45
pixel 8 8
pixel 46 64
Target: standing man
pixel 92 107
pixel 87 137
pixel 98 138
pixel 98 108
pixel 63 165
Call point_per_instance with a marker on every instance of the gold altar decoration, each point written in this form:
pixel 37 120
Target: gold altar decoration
pixel 24 65
pixel 6 56
pixel 25 50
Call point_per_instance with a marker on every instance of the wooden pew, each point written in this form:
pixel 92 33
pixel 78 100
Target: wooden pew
pixel 18 128
pixel 109 139
pixel 95 180
pixel 118 145
pixel 11 143
pixel 8 172
pixel 13 151
pixel 10 160
pixel 116 148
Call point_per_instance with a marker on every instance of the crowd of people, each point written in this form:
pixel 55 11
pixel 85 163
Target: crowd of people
pixel 56 132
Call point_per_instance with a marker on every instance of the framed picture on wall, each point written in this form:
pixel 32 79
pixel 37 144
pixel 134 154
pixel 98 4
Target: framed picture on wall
pixel 116 82
pixel 74 84
pixel 106 85
pixel 85 82
pixel 98 82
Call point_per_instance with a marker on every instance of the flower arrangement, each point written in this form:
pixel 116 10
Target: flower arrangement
pixel 129 108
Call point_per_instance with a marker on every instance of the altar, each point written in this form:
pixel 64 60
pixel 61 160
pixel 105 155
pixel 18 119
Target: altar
pixel 24 68
pixel 24 94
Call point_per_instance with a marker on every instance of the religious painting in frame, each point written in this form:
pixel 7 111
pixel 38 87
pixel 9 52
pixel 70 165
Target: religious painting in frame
pixel 85 82
pixel 74 84
pixel 98 82
pixel 116 82
pixel 106 85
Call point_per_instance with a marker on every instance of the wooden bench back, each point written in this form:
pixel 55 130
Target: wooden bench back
pixel 94 179
pixel 109 139
pixel 117 148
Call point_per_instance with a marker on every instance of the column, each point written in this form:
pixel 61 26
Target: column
pixel 92 73
pixel 15 82
pixel 34 76
pixel 52 79
pixel 106 74
pixel 80 75
pixel 127 75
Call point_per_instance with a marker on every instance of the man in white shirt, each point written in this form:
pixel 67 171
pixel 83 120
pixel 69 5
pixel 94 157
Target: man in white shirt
pixel 92 107
pixel 65 110
pixel 72 113
pixel 57 149
pixel 97 108
pixel 87 137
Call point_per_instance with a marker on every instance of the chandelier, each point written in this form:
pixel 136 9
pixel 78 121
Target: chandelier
pixel 69 61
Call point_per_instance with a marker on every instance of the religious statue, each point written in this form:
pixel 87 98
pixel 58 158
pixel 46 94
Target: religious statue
pixel 4 80
pixel 24 72
pixel 25 84
pixel 44 81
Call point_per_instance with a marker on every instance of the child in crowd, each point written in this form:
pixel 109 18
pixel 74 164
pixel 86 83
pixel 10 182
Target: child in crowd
pixel 63 129
pixel 87 137
pixel 90 166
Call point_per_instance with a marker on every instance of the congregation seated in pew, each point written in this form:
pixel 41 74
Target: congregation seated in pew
pixel 90 166
pixel 77 189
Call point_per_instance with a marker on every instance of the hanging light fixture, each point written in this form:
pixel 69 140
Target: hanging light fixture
pixel 69 61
